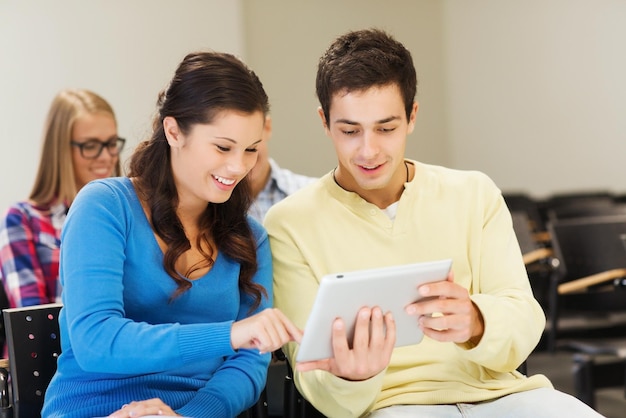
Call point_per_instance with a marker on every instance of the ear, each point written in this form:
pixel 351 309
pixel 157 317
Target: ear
pixel 172 132
pixel 320 112
pixel 267 128
pixel 412 117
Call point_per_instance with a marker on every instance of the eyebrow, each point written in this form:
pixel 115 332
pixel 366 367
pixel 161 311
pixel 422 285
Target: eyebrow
pixel 235 142
pixel 378 122
pixel 99 140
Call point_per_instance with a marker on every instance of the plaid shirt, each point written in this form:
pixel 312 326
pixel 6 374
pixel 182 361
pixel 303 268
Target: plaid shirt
pixel 281 184
pixel 30 239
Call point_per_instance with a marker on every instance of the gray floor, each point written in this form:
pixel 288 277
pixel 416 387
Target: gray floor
pixel 558 368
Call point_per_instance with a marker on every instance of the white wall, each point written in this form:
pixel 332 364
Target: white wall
pixel 531 92
pixel 284 41
pixel 124 50
pixel 536 92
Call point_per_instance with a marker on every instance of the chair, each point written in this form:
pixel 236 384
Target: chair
pixel 6 409
pixel 258 410
pixel 532 250
pixel 579 199
pixel 275 386
pixel 585 288
pixel 537 257
pixel 295 406
pixel 4 304
pixel 33 345
pixel 587 209
pixel 620 198
pixel 523 203
pixel 598 363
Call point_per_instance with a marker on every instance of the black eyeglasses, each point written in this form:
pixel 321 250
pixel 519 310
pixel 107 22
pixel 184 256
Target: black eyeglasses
pixel 93 148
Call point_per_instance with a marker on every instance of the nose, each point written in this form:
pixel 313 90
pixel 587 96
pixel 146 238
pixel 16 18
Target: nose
pixel 369 146
pixel 237 165
pixel 106 154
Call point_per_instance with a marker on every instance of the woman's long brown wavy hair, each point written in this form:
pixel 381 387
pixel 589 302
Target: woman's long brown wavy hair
pixel 205 84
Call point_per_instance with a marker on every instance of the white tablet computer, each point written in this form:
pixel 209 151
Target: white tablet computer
pixel 341 295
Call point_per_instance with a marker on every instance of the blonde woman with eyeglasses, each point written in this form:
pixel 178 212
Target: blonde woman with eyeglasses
pixel 80 144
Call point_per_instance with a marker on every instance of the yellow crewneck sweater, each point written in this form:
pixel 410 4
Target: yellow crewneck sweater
pixel 442 213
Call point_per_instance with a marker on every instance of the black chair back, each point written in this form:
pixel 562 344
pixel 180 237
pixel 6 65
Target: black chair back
pixel 34 344
pixel 586 247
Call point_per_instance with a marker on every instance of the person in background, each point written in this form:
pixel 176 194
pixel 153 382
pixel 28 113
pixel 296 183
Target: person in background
pixel 167 282
pixel 269 182
pixel 80 144
pixel 377 208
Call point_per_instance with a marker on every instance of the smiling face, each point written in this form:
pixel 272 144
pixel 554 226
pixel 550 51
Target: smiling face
pixel 100 126
pixel 369 129
pixel 211 159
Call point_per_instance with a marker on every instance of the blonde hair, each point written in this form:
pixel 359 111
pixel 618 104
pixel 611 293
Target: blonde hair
pixel 55 179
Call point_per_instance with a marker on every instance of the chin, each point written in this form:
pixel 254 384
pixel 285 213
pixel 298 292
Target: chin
pixel 373 185
pixel 95 176
pixel 220 198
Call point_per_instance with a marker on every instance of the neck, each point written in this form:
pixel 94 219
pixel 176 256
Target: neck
pixel 382 197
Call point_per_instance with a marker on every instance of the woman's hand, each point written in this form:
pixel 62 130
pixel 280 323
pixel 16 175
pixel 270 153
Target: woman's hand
pixel 142 408
pixel 266 331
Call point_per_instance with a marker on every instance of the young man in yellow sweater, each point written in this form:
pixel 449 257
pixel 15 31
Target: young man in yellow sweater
pixel 378 208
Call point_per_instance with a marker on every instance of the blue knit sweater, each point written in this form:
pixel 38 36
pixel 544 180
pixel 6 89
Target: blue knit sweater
pixel 122 340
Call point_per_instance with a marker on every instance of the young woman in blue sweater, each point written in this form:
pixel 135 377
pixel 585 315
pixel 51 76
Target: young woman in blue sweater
pixel 167 283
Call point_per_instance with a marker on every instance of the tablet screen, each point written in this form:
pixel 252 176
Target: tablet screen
pixel 341 295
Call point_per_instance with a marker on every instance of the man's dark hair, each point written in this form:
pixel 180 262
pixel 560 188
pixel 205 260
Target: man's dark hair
pixel 362 59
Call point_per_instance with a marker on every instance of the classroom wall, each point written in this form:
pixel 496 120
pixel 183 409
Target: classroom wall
pixel 531 92
pixel 124 50
pixel 284 41
pixel 535 92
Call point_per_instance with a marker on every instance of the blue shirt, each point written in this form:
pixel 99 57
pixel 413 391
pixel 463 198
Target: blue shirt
pixel 123 340
pixel 281 184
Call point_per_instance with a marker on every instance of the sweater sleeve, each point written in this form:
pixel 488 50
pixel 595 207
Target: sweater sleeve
pixel 500 288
